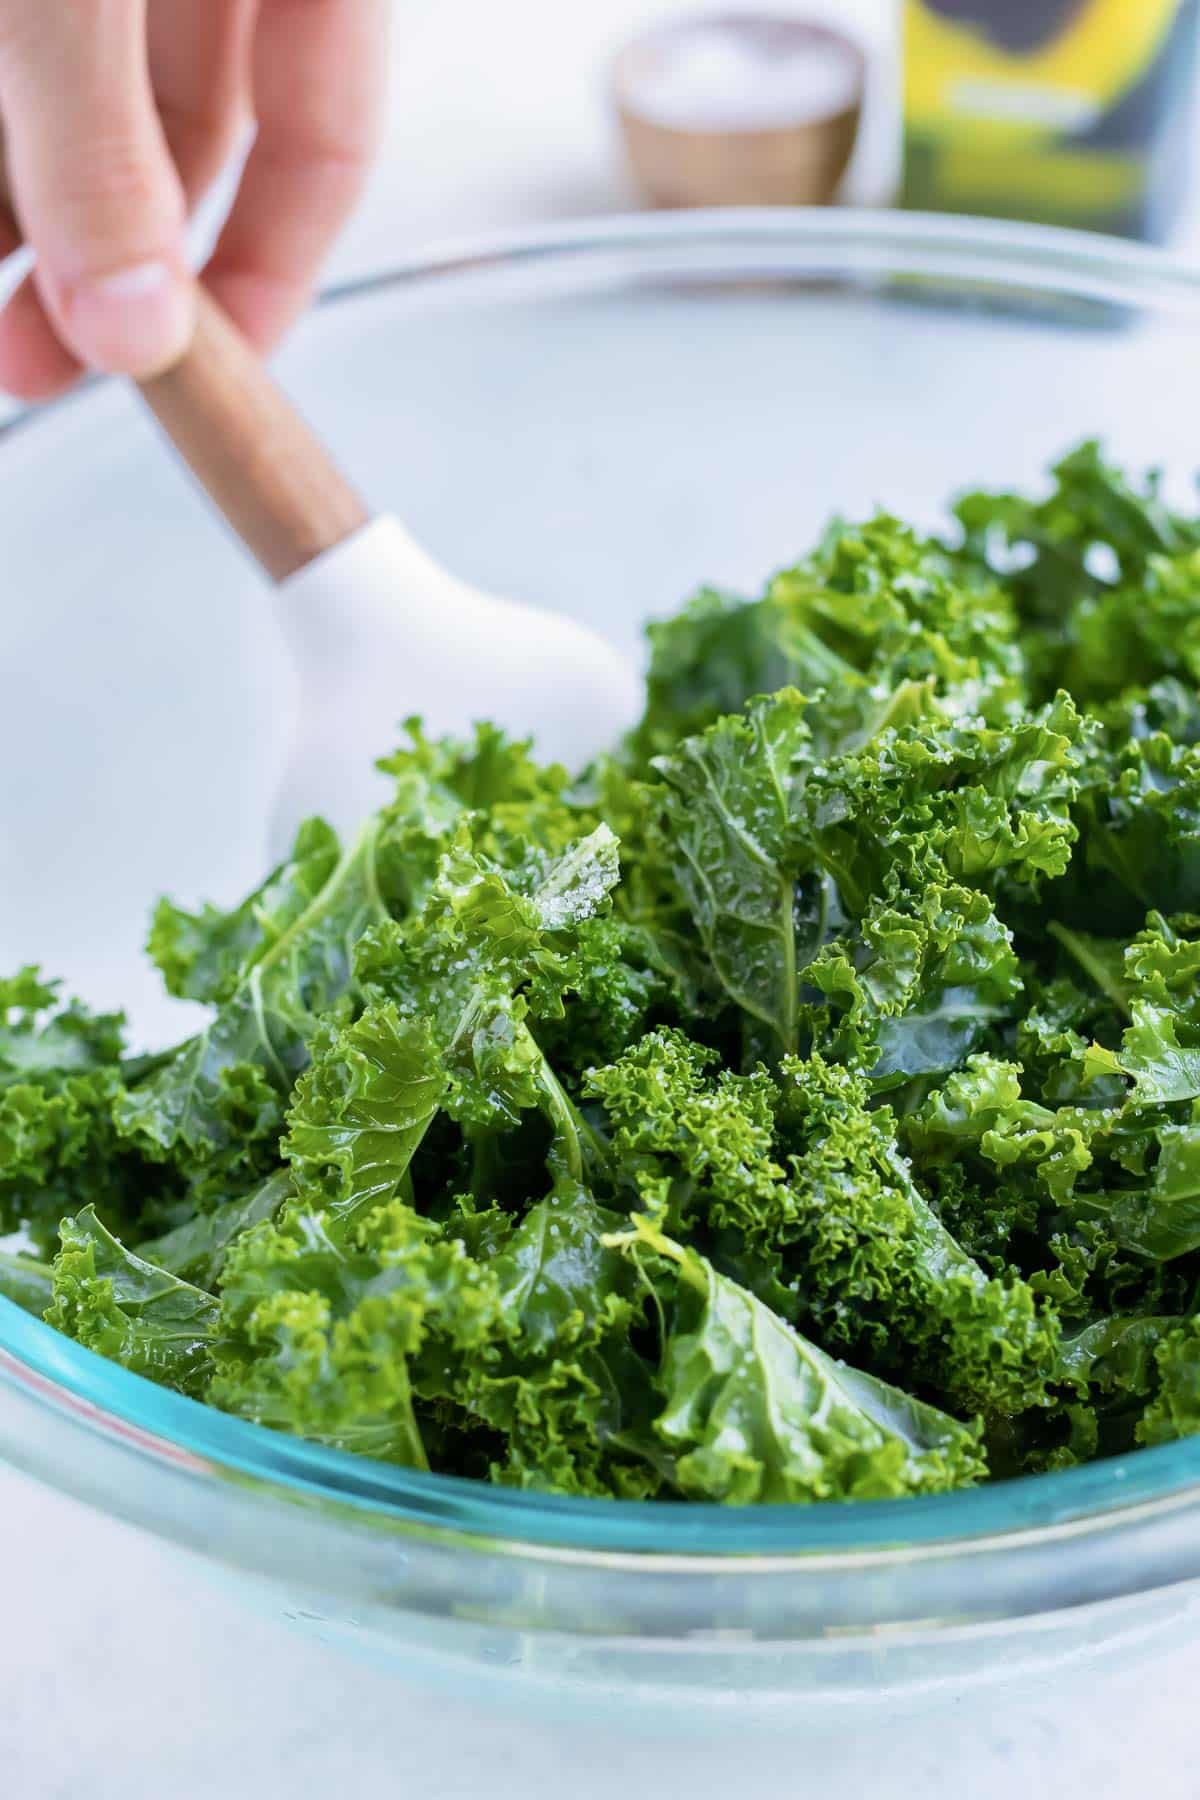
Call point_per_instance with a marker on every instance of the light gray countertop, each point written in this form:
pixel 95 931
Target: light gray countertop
pixel 129 1676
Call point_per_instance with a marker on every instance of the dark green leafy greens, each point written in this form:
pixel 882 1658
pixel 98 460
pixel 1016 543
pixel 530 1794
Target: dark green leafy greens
pixel 802 1104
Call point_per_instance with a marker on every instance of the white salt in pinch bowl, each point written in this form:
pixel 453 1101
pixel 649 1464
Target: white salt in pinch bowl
pixel 739 109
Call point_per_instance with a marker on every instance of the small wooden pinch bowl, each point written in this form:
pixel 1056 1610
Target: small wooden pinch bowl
pixel 759 150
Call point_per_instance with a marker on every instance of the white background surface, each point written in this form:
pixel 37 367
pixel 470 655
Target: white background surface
pixel 119 1679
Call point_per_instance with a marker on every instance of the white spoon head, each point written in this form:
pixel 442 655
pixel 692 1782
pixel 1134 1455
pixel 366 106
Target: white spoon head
pixel 379 632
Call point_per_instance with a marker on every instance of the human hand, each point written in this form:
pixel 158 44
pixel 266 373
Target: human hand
pixel 118 114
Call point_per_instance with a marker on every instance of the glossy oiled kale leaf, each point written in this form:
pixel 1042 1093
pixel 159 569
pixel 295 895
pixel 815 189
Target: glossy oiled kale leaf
pixel 1174 1411
pixel 561 1381
pixel 60 1075
pixel 914 986
pixel 876 1266
pixel 874 608
pixel 203 955
pixel 1103 574
pixel 755 1412
pixel 197 1248
pixel 1160 1047
pixel 45 1040
pixel 321 1320
pixel 360 1111
pixel 131 1310
pixel 800 1103
pixel 741 845
pixel 223 1090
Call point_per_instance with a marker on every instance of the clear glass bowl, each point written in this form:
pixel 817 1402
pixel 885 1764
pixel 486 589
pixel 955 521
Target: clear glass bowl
pixel 599 418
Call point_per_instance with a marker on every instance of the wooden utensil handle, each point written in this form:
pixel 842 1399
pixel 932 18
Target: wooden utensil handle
pixel 271 477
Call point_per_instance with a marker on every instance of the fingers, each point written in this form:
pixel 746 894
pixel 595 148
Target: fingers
pixel 33 364
pixel 199 55
pixel 115 109
pixel 318 72
pixel 93 187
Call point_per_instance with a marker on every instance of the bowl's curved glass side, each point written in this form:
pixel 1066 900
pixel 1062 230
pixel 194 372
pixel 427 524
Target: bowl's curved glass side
pixel 826 242
pixel 422 1577
pixel 75 1386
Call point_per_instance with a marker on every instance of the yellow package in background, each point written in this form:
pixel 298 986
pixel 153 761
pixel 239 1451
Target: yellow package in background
pixel 1069 112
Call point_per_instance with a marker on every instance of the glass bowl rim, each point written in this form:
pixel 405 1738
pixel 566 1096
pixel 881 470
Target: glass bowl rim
pixel 169 1430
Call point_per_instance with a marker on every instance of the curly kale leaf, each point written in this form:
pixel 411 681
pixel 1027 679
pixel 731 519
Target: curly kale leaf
pixel 1088 567
pixel 874 608
pixel 375 1335
pixel 799 1186
pixel 203 955
pixel 319 1325
pixel 560 1381
pixel 224 1087
pixel 1160 1048
pixel 491 952
pixel 1160 1218
pixel 755 1412
pixel 361 1109
pixel 983 805
pixel 739 841
pixel 45 1041
pixel 876 1267
pixel 1175 1410
pixel 695 1143
pixel 922 979
pixel 133 1311
pixel 197 1249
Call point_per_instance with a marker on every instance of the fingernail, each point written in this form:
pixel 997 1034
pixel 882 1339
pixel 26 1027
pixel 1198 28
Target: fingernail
pixel 133 322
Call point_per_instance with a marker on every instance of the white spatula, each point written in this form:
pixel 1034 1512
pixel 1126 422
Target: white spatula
pixel 377 629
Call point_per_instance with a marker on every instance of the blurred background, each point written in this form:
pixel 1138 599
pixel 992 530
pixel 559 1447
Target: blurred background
pixel 522 129
pixel 1069 112
pixel 1080 111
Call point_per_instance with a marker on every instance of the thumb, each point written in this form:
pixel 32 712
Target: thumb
pixel 93 185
